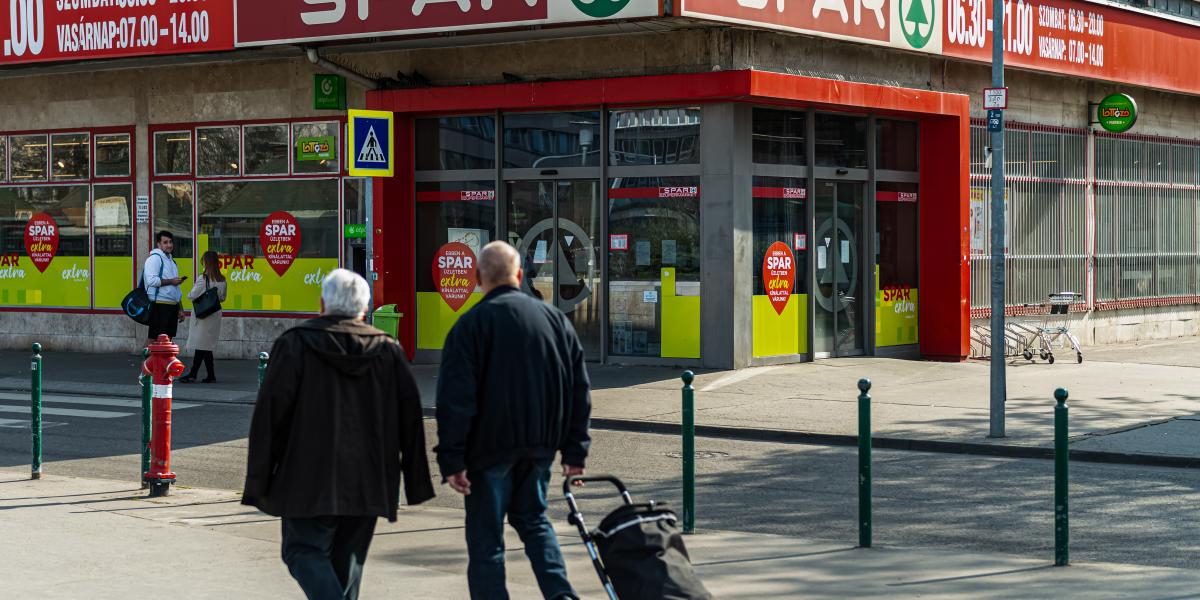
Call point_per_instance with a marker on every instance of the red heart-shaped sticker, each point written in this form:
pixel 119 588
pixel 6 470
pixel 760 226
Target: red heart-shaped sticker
pixel 779 275
pixel 280 240
pixel 454 274
pixel 41 240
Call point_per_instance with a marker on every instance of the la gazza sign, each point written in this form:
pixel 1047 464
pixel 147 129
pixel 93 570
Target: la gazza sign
pixel 290 21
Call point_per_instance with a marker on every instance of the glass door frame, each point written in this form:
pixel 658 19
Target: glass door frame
pixel 866 301
pixel 503 176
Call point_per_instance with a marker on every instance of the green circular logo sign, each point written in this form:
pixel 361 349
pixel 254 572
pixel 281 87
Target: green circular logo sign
pixel 600 9
pixel 915 16
pixel 1117 113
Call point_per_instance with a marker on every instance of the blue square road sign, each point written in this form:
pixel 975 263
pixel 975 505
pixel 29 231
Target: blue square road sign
pixel 372 147
pixel 995 120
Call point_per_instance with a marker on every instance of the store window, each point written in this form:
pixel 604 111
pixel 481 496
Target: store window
pixel 654 266
pixel 49 267
pixel 456 143
pixel 654 136
pixel 454 219
pixel 173 153
pixel 3 159
pixel 896 259
pixel 780 137
pixel 780 240
pixel 112 155
pixel 112 209
pixel 897 148
pixel 277 239
pixel 267 149
pixel 841 141
pixel 29 155
pixel 548 140
pixel 69 156
pixel 326 131
pixel 218 151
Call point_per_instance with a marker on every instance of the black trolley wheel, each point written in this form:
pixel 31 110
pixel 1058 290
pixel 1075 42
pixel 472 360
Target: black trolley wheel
pixel 1050 359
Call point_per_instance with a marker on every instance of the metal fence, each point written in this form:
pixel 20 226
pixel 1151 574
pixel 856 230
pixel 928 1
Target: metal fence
pixel 1133 218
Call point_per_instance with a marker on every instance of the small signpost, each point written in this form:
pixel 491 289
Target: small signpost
pixel 329 92
pixel 1117 113
pixel 995 98
pixel 995 120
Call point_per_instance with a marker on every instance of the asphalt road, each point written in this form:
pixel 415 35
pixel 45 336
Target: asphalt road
pixel 1119 513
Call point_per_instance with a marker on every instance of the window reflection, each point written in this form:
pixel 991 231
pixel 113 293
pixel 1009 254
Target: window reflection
pixel 173 153
pixel 654 136
pixel 552 140
pixel 112 155
pixel 330 129
pixel 841 141
pixel 452 143
pixel 779 137
pixel 69 156
pixel 29 154
pixel 231 214
pixel 218 151
pixel 173 212
pixel 267 149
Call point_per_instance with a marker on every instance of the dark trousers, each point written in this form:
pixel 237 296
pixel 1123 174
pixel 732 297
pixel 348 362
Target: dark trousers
pixel 325 555
pixel 204 357
pixel 517 490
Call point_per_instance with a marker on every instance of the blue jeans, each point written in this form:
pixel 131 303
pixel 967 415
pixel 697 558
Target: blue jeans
pixel 517 490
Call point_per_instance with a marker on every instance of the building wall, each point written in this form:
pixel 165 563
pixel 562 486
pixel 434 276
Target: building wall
pixel 251 89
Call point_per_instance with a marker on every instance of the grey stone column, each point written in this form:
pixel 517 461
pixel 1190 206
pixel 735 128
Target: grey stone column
pixel 725 236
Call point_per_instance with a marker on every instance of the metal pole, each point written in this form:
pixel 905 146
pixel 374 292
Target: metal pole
pixel 689 453
pixel 370 219
pixel 147 394
pixel 1062 530
pixel 263 359
pixel 864 463
pixel 35 410
pixel 998 385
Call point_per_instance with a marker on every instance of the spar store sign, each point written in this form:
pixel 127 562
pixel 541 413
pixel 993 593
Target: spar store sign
pixel 779 275
pixel 280 241
pixel 289 21
pixel 60 30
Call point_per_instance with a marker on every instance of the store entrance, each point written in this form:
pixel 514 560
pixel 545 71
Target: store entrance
pixel 555 225
pixel 841 306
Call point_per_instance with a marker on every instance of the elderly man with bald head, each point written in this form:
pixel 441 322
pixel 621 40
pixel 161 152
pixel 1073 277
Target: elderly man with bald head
pixel 512 392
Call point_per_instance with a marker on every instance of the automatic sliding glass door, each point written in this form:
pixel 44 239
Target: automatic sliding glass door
pixel 839 325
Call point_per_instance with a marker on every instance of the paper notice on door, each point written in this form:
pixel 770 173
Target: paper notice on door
pixel 845 252
pixel 822 257
pixel 668 252
pixel 643 253
pixel 539 253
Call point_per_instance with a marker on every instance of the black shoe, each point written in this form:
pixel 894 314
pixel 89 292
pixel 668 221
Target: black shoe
pixel 209 380
pixel 188 379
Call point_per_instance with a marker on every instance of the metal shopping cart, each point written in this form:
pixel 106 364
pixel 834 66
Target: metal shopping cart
pixel 1052 332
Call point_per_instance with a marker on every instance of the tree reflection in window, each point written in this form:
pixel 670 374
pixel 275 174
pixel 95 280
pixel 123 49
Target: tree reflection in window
pixel 218 151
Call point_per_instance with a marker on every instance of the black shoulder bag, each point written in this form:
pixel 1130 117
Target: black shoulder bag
pixel 208 303
pixel 137 302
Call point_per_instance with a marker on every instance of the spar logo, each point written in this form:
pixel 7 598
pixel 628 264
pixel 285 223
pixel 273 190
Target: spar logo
pixel 600 9
pixel 918 19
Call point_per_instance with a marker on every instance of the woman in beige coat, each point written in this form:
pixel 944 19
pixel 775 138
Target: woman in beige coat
pixel 204 333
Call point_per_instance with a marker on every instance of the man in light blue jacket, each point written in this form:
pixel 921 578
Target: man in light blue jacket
pixel 162 285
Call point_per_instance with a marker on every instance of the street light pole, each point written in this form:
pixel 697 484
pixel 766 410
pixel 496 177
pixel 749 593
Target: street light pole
pixel 998 384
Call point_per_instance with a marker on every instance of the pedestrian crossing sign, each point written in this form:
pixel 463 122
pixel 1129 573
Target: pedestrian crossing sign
pixel 372 147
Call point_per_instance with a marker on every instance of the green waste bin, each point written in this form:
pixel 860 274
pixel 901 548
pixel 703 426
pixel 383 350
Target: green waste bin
pixel 387 319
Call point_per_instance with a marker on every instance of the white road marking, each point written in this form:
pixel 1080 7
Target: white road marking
pixel 57 399
pixel 67 412
pixel 27 424
pixel 737 377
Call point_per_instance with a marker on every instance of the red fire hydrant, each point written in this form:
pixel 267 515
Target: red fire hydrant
pixel 163 367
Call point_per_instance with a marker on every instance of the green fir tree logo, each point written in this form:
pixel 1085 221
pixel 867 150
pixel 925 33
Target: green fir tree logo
pixel 914 19
pixel 600 9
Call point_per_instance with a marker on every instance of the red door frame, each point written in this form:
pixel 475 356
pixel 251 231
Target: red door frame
pixel 944 319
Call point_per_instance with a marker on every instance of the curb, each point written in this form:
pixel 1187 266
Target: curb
pixel 911 445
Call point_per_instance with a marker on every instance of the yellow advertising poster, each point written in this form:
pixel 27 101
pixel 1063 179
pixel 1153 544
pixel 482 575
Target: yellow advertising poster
pixel 254 283
pixel 114 279
pixel 895 314
pixel 780 333
pixel 65 282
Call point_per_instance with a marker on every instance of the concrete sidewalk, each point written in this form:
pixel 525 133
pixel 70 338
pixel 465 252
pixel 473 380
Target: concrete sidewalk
pixel 83 538
pixel 1132 401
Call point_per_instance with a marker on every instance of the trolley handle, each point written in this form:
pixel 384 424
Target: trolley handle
pixel 594 478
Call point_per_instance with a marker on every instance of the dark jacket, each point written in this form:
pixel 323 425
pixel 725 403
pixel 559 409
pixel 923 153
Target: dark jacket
pixel 337 419
pixel 512 385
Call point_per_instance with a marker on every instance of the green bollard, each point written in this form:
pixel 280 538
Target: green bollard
pixel 1062 531
pixel 864 464
pixel 689 453
pixel 263 358
pixel 147 394
pixel 35 410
